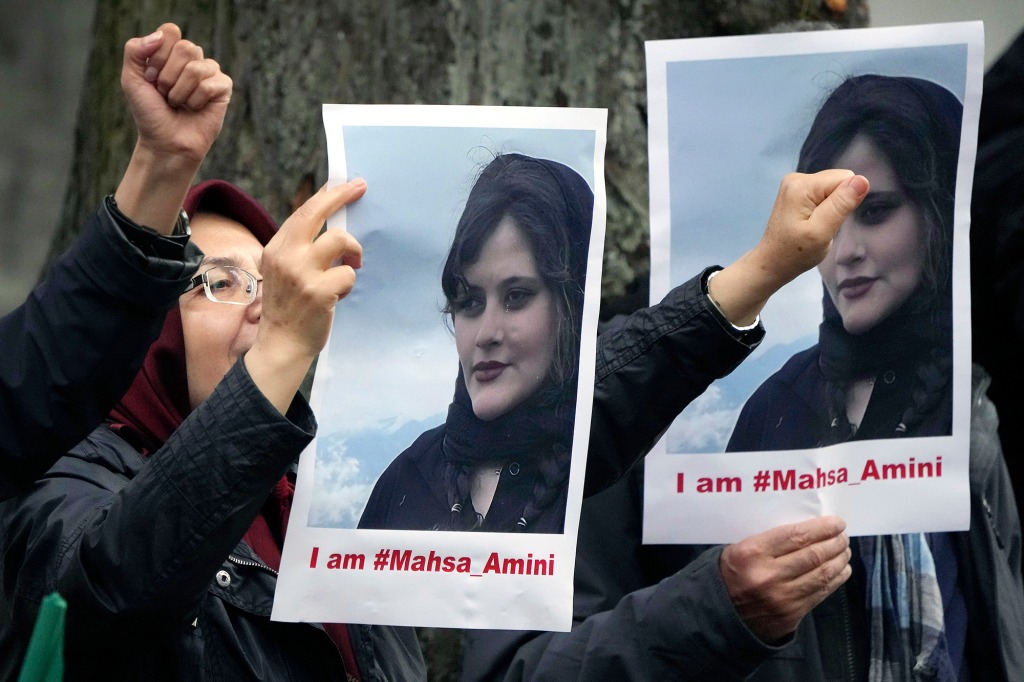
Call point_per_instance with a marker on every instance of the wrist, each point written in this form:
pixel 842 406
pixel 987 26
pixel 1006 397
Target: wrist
pixel 741 290
pixel 277 368
pixel 182 227
pixel 736 325
pixel 153 189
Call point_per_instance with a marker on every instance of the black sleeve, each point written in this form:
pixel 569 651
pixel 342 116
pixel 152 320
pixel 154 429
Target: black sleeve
pixel 650 368
pixel 72 349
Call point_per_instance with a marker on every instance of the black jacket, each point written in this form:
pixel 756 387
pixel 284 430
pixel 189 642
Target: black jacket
pixel 148 554
pixel 72 349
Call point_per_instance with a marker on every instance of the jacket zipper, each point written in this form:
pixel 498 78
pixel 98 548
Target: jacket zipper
pixel 238 561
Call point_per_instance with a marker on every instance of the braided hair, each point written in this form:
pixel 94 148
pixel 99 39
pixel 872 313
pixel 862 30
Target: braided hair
pixel 915 125
pixel 553 207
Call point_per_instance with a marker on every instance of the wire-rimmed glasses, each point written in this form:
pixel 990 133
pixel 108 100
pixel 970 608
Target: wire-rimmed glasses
pixel 227 284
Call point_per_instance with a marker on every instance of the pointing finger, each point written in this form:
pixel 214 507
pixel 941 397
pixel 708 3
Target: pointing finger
pixel 306 222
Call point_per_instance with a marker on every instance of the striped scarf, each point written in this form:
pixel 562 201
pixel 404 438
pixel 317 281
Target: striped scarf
pixel 908 640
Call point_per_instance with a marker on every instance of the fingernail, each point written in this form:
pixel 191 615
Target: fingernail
pixel 153 37
pixel 151 74
pixel 859 184
pixel 357 183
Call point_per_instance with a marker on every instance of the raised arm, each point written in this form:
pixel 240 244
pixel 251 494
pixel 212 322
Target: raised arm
pixel 73 347
pixel 187 506
pixel 178 99
pixel 654 364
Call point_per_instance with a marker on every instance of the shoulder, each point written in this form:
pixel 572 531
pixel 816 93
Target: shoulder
pixel 987 464
pixel 38 525
pixel 87 477
pixel 102 460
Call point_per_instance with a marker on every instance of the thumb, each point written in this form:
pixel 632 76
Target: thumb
pixel 840 202
pixel 138 50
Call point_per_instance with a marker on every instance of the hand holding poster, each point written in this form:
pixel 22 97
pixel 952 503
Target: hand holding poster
pixel 861 389
pixel 482 231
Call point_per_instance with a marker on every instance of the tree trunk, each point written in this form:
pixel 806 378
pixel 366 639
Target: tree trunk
pixel 288 58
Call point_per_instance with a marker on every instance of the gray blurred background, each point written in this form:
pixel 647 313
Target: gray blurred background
pixel 44 46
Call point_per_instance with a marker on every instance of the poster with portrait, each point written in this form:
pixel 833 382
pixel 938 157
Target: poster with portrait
pixel 857 401
pixel 454 394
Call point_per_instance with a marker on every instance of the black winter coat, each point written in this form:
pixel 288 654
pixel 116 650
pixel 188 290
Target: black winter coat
pixel 997 249
pixel 148 554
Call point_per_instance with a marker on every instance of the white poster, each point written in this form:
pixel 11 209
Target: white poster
pixel 456 387
pixel 857 401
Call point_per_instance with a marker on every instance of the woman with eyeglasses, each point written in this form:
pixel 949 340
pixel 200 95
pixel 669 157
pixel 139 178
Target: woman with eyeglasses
pixel 163 529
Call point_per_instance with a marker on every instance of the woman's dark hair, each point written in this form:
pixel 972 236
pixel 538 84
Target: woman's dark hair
pixel 553 206
pixel 915 125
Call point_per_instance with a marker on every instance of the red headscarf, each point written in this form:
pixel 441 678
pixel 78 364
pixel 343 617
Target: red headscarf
pixel 157 402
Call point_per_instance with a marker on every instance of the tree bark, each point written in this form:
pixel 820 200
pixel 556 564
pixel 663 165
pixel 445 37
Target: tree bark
pixel 288 58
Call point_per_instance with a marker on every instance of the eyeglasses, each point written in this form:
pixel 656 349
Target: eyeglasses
pixel 227 284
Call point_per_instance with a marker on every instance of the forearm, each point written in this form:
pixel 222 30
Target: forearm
pixel 188 506
pixel 277 370
pixel 742 289
pixel 154 187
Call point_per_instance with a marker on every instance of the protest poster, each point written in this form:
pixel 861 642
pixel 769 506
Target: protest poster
pixel 786 436
pixel 512 336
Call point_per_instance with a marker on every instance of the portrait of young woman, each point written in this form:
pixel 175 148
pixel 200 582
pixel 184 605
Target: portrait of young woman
pixel 513 285
pixel 882 366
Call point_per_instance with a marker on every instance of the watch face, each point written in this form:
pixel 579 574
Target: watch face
pixel 182 226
